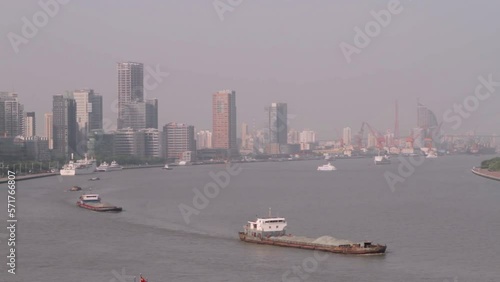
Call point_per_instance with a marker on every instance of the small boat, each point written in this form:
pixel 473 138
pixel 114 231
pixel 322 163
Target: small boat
pixel 167 167
pixel 327 167
pixel 104 167
pixel 379 160
pixel 75 188
pixel 272 231
pixel 431 155
pixel 94 179
pixel 93 202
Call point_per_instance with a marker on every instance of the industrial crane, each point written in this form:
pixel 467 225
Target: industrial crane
pixel 378 136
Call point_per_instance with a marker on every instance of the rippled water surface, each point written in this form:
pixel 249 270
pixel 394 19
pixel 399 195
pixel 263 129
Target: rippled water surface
pixel 441 224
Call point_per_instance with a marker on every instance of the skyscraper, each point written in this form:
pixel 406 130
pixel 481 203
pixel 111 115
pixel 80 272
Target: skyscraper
pixel 307 136
pixel 179 138
pixel 152 143
pixel 131 90
pixel 347 136
pixel 152 113
pixel 278 127
pixel 244 136
pixel 224 121
pixel 425 117
pixel 30 125
pixel 11 115
pixel 204 139
pixel 49 127
pixel 64 125
pixel 88 112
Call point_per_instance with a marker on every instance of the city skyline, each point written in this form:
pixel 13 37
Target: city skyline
pixel 309 70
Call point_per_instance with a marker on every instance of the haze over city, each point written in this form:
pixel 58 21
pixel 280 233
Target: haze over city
pixel 279 51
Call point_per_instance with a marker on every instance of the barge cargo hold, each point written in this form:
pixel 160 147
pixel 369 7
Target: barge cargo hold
pixel 272 231
pixel 93 202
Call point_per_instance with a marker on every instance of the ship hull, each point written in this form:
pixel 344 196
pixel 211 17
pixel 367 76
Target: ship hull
pixel 106 208
pixel 354 250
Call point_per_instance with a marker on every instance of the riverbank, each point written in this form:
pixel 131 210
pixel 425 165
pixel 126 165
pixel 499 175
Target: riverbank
pixel 494 175
pixel 40 175
pixel 28 176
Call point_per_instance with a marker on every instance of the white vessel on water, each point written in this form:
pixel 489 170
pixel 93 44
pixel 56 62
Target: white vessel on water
pixel 431 155
pixel 109 167
pixel 378 160
pixel 85 166
pixel 327 167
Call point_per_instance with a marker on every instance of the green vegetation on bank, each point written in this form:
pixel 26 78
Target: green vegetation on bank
pixel 491 165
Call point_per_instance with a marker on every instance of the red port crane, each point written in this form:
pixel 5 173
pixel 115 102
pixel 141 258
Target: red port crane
pixel 378 136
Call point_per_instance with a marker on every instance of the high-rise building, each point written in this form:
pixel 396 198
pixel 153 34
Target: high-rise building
pixel 37 148
pixel 49 129
pixel 64 125
pixel 179 138
pixel 425 117
pixel 307 136
pixel 134 115
pixel 152 143
pixel 11 115
pixel 130 90
pixel 278 127
pixel 30 125
pixel 204 139
pixel 347 136
pixel 129 142
pixel 293 137
pixel 88 112
pixel 244 136
pixel 371 141
pixel 152 113
pixel 224 121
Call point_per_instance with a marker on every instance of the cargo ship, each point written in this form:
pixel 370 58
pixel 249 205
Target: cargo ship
pixel 93 202
pixel 272 231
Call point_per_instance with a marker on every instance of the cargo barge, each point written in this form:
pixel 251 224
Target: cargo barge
pixel 93 202
pixel 272 231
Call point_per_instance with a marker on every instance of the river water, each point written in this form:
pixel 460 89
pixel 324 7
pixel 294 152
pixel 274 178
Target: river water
pixel 441 224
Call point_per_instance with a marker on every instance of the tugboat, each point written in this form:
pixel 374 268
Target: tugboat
pixel 75 188
pixel 93 202
pixel 272 231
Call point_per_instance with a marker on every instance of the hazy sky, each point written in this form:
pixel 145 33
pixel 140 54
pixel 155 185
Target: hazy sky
pixel 284 51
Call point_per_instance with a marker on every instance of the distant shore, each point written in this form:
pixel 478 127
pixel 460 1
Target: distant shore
pixel 28 176
pixel 494 175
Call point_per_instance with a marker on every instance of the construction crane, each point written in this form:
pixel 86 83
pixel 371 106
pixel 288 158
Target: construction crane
pixel 378 136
